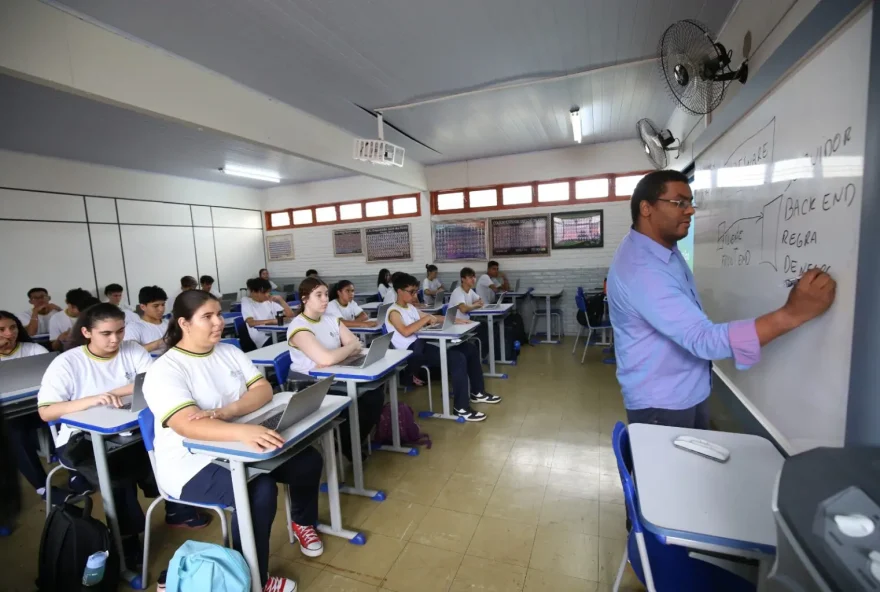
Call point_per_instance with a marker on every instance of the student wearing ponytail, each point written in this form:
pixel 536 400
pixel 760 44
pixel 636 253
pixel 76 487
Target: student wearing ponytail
pixel 431 286
pixel 343 306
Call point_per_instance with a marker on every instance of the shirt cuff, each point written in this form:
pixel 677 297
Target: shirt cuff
pixel 744 343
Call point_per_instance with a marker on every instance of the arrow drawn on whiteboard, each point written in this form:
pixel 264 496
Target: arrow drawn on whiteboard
pixel 744 230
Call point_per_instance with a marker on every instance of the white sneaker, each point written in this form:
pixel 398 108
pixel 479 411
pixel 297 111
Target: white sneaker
pixel 470 414
pixel 279 584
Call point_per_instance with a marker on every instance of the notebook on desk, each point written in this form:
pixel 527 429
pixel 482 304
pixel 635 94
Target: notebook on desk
pixel 299 406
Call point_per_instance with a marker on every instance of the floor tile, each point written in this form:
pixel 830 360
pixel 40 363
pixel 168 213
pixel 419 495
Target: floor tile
pixel 573 484
pixel 478 574
pixel 333 582
pixel 464 494
pixel 490 446
pixel 367 563
pixel 480 469
pixel 523 476
pixel 522 504
pixel 532 452
pixel 612 521
pixel 610 555
pixel 610 489
pixel 506 541
pixel 575 458
pixel 423 568
pixel 565 552
pixel 300 573
pixel 419 486
pixel 570 513
pixel 446 529
pixel 396 519
pixel 539 581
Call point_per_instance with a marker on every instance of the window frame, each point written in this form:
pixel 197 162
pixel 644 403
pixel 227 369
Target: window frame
pixel 336 205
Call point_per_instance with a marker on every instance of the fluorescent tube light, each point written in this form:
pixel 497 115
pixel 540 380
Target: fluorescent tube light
pixel 576 124
pixel 248 173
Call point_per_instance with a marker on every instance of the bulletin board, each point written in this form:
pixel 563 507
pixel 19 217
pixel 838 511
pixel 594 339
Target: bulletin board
pixel 460 240
pixel 520 236
pixel 578 230
pixel 389 243
pixel 348 242
pixel 280 247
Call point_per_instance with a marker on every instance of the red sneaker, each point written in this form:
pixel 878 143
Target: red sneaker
pixel 309 542
pixel 276 584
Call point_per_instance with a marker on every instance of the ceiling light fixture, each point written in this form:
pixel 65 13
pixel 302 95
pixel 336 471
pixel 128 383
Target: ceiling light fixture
pixel 248 173
pixel 576 124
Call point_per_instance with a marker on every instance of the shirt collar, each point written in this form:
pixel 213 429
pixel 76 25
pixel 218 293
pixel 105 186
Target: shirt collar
pixel 652 246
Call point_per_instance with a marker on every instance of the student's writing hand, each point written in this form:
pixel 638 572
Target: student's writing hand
pixel 106 399
pixel 258 437
pixel 811 296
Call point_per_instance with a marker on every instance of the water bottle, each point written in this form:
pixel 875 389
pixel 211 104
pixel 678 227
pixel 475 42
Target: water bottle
pixel 94 572
pixel 279 318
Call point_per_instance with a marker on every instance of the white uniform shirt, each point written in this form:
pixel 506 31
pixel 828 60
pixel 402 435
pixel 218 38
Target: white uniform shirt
pixel 180 379
pixel 484 288
pixel 459 296
pixel 346 313
pixel 144 332
pixel 390 296
pixel 325 330
pixel 24 350
pixel 383 292
pixel 430 285
pixel 410 315
pixel 42 324
pixel 60 323
pixel 259 311
pixel 78 373
pixel 273 285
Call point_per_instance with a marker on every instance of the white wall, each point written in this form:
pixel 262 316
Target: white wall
pixel 314 247
pixel 65 224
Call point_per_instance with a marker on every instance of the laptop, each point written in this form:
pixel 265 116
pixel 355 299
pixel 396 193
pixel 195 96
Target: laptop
pixel 453 286
pixel 516 286
pixel 381 314
pixel 24 373
pixel 300 406
pixel 447 324
pixel 377 351
pixel 498 298
pixel 138 401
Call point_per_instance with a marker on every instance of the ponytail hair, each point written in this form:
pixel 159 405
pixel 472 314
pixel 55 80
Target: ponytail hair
pixel 23 336
pixel 337 287
pixel 383 277
pixel 307 286
pixel 91 316
pixel 185 306
pixel 430 267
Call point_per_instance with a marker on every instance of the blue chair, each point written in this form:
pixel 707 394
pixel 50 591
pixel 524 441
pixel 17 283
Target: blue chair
pixel 232 341
pixel 658 565
pixel 236 307
pixel 444 309
pixel 241 329
pixel 421 295
pixel 583 320
pixel 281 364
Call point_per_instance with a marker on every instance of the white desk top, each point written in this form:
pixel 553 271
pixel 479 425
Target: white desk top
pixel 330 408
pixel 274 328
pixel 374 306
pixel 454 333
pixel 685 495
pixel 371 306
pixel 545 292
pixel 366 330
pixel 500 309
pixel 392 359
pixel 102 419
pixel 266 355
pixel 21 378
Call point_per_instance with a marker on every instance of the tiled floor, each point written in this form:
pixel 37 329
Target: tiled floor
pixel 527 500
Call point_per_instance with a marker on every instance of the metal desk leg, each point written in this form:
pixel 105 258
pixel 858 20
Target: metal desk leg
pixel 356 460
pixel 106 487
pixel 238 472
pixel 335 527
pixel 444 387
pixel 503 359
pixel 395 426
pixel 492 373
pixel 549 334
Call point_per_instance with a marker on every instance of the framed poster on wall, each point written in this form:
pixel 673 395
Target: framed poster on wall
pixel 460 240
pixel 389 243
pixel 520 236
pixel 348 242
pixel 578 230
pixel 280 247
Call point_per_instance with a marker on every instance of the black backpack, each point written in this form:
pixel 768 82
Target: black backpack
pixel 515 328
pixel 595 309
pixel 70 535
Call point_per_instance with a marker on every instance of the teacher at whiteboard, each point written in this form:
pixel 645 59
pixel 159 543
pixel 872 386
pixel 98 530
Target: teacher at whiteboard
pixel 664 342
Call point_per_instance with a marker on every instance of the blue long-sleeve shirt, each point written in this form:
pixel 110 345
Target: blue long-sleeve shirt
pixel 663 341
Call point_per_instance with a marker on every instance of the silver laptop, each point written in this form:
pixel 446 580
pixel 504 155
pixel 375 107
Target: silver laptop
pixel 301 405
pixel 447 324
pixel 24 373
pixel 453 286
pixel 498 298
pixel 138 400
pixel 381 314
pixel 516 286
pixel 377 351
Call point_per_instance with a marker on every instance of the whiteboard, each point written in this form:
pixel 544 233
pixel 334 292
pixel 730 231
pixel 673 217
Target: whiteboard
pixel 778 193
pixel 158 256
pixel 109 267
pixel 240 256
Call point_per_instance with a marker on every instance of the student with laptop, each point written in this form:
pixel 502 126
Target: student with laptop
pixel 491 283
pixel 431 286
pixel 101 371
pixel 207 284
pixel 317 338
pixel 195 391
pixel 404 320
pixel 343 306
pixel 264 275
pixel 262 308
pixel 61 324
pixel 149 330
pixel 465 299
pixel 36 319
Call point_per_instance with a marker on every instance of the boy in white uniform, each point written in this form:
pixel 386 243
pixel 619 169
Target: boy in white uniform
pixel 491 282
pixel 464 298
pixel 207 284
pixel 114 293
pixel 197 390
pixel 60 325
pixel 101 371
pixel 187 283
pixel 36 319
pixel 431 285
pixel 344 307
pixel 149 330
pixel 260 308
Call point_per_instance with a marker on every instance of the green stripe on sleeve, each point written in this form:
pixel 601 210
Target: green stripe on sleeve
pixel 253 380
pixel 175 410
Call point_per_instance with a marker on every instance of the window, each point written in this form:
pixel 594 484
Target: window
pixel 325 214
pixel 405 205
pixel 553 191
pixel 302 217
pixel 624 186
pixel 591 189
pixel 516 195
pixel 352 211
pixel 450 201
pixel 483 198
pixel 280 219
pixel 377 208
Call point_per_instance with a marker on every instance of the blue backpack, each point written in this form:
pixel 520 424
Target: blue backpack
pixel 197 567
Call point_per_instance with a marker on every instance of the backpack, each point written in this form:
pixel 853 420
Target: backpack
pixel 70 535
pixel 595 309
pixel 198 567
pixel 409 429
pixel 516 328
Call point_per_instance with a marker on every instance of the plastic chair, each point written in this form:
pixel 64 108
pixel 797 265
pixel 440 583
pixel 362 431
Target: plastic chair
pixel 421 295
pixel 281 364
pixel 675 569
pixel 583 320
pixel 236 307
pixel 539 311
pixel 241 329
pixel 232 341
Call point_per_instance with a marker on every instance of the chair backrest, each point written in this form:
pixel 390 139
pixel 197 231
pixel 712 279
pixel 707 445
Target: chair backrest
pixel 444 309
pixel 580 290
pixel 232 341
pixel 148 428
pixel 421 295
pixel 581 303
pixel 236 307
pixel 230 314
pixel 281 363
pixel 240 326
pixel 453 286
pixel 620 444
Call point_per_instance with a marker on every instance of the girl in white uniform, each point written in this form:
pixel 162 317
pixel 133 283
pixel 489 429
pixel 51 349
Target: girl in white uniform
pixel 196 390
pixel 463 360
pixel 383 284
pixel 101 371
pixel 343 306
pixel 431 285
pixel 264 275
pixel 317 338
pixel 15 343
